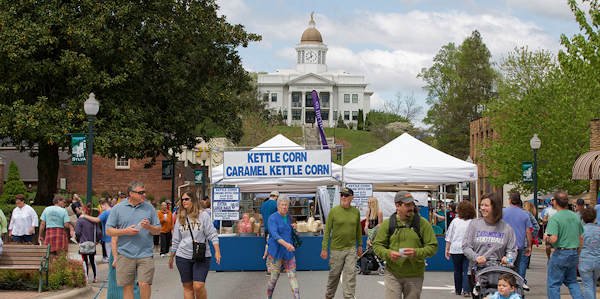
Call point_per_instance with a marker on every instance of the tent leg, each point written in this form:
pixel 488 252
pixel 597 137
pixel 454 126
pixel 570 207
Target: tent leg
pixel 477 198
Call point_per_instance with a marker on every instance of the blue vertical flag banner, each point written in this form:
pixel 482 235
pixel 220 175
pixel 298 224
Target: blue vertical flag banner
pixel 527 169
pixel 78 149
pixel 315 100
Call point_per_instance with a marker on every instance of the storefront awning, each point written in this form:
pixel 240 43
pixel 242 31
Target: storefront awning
pixel 587 166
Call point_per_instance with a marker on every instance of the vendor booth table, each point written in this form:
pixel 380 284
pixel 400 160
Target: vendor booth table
pixel 245 254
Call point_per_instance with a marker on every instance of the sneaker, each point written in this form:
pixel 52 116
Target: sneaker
pixel 466 294
pixel 162 255
pixel 105 260
pixel 525 287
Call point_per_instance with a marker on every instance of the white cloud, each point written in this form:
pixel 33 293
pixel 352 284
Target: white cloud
pixel 233 9
pixel 548 8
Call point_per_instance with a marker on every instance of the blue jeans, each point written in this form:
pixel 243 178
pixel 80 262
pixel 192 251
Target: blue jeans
pixel 521 263
pixel 589 270
pixel 461 267
pixel 562 268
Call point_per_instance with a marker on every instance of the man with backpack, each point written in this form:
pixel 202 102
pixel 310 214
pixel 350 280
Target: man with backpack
pixel 404 241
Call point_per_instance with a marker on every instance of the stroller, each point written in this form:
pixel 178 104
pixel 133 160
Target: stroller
pixel 486 280
pixel 368 262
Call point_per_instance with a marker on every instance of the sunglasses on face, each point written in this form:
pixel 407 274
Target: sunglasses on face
pixel 140 192
pixel 345 195
pixel 185 198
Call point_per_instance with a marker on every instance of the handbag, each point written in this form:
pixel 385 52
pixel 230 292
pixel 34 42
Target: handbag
pixel 198 249
pixel 88 247
pixel 296 241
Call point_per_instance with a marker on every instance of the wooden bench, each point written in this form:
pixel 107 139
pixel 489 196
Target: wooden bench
pixel 26 257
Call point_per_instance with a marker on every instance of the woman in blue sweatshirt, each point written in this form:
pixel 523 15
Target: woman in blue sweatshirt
pixel 280 250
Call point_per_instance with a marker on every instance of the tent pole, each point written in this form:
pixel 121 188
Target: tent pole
pixel 477 198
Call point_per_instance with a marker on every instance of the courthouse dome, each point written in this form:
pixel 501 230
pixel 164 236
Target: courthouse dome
pixel 311 34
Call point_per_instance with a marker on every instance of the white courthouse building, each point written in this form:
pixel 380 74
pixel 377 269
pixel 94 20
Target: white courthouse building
pixel 289 91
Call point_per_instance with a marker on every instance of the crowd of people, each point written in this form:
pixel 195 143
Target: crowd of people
pixel 127 225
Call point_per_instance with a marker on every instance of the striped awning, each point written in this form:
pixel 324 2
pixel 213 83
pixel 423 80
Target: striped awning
pixel 587 166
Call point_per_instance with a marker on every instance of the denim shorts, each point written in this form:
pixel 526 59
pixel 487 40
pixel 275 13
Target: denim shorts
pixel 192 271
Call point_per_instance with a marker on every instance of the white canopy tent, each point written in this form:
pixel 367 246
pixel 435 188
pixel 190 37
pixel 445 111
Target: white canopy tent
pixel 408 160
pixel 306 184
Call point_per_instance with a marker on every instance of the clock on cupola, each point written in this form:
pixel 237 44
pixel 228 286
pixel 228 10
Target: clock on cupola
pixel 311 52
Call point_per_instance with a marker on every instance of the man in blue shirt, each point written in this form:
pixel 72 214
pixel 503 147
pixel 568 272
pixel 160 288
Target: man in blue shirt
pixel 519 220
pixel 134 221
pixel 268 208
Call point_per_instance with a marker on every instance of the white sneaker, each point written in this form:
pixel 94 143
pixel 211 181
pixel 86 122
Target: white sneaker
pixel 525 287
pixel 105 260
pixel 162 255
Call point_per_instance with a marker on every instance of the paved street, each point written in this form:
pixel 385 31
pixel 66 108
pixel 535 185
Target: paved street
pixel 312 283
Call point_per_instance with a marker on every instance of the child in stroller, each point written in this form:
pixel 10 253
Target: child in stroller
pixel 487 282
pixel 369 261
pixel 506 288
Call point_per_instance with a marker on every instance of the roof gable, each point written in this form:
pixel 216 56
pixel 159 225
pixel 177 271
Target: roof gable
pixel 310 79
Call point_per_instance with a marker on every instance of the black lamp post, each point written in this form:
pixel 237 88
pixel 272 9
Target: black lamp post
pixel 173 161
pixel 202 154
pixel 91 107
pixel 535 144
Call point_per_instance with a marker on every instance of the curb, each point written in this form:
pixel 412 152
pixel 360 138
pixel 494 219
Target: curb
pixel 85 292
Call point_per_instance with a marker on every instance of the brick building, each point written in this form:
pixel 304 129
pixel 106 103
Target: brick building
pixel 481 135
pixel 113 175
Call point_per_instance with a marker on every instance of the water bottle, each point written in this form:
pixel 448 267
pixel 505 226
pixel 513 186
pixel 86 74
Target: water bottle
pixel 510 258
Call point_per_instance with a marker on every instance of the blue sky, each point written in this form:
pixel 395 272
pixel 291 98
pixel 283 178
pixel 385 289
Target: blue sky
pixel 391 41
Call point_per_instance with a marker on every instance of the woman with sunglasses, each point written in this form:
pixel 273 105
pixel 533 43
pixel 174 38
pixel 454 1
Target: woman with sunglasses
pixel 191 219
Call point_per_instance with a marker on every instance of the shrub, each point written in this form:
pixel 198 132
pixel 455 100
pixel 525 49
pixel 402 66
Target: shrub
pixel 65 272
pixel 13 185
pixel 18 280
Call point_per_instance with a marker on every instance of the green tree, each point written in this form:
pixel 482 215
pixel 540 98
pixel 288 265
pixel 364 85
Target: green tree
pixel 361 123
pixel 340 123
pixel 165 72
pixel 556 101
pixel 13 185
pixel 459 84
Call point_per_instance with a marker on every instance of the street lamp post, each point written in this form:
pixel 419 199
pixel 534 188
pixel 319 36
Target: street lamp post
pixel 91 107
pixel 202 154
pixel 535 144
pixel 173 161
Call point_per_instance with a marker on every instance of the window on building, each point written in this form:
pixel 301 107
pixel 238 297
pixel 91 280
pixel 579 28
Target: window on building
pixel 296 99
pixel 354 99
pixel 325 114
pixel 122 163
pixel 296 114
pixel 285 114
pixel 354 115
pixel 324 96
pixel 335 115
pixel 299 57
pixel 266 97
pixel 346 98
pixel 346 115
pixel 273 97
pixel 308 99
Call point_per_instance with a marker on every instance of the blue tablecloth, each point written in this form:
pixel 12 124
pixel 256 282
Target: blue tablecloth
pixel 245 254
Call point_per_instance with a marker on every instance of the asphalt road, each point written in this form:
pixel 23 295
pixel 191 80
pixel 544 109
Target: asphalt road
pixel 312 283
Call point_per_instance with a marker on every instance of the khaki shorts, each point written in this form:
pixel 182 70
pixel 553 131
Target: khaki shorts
pixel 128 268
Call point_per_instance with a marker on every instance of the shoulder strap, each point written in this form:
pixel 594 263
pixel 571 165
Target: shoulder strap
pixel 415 226
pixel 187 218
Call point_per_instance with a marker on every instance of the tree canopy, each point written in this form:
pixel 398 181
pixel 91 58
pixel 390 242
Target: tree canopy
pixel 555 99
pixel 459 84
pixel 165 72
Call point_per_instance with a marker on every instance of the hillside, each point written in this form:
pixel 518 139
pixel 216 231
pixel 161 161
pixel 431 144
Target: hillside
pixel 355 143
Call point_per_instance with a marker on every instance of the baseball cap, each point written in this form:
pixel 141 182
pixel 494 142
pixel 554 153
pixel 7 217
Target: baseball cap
pixel 347 191
pixel 274 193
pixel 403 197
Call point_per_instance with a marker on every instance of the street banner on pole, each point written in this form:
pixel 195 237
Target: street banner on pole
pixel 317 106
pixel 527 169
pixel 78 149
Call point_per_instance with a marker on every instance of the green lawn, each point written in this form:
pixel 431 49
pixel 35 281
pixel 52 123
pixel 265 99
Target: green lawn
pixel 355 142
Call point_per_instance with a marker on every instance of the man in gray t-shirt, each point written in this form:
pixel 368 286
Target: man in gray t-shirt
pixel 134 222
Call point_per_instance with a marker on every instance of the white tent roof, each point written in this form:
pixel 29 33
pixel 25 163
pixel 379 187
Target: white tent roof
pixel 278 142
pixel 408 160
